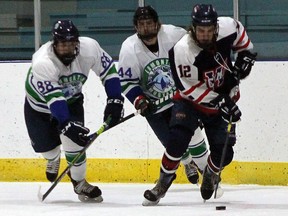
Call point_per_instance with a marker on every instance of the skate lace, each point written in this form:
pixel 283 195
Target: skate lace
pixel 84 187
pixel 159 189
pixel 53 166
pixel 190 169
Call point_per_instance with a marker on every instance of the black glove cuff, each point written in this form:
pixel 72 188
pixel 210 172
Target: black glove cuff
pixel 62 127
pixel 115 100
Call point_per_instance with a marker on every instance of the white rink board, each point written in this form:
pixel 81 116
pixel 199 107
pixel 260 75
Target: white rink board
pixel 262 133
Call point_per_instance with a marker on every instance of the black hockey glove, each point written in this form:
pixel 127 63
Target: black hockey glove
pixel 114 108
pixel 145 106
pixel 227 108
pixel 76 132
pixel 243 64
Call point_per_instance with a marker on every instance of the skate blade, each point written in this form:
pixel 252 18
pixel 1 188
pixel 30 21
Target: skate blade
pixel 87 199
pixel 147 202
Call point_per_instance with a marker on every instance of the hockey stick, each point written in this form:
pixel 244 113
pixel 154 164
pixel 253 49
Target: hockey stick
pixel 229 126
pixel 92 138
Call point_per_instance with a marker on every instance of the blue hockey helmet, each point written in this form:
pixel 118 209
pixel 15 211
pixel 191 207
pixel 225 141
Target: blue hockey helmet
pixel 65 30
pixel 146 12
pixel 204 15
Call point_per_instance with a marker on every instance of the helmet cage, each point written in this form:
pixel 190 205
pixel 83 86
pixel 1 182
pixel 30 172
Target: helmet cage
pixel 65 31
pixel 145 13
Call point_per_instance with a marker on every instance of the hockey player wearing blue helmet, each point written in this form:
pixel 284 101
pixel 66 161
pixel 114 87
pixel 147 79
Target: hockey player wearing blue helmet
pixel 54 112
pixel 207 85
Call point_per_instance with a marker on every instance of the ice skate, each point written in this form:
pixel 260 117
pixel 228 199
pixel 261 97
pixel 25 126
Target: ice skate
pixel 52 169
pixel 208 183
pixel 87 192
pixel 191 172
pixel 152 197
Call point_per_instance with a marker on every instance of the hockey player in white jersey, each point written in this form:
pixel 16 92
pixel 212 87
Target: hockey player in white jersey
pixel 54 113
pixel 145 77
pixel 208 90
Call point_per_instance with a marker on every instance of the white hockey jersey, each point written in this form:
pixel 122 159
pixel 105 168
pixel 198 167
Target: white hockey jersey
pixel 49 80
pixel 144 72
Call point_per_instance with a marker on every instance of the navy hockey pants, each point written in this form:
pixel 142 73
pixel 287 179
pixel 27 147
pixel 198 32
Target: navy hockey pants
pixel 184 121
pixel 42 128
pixel 159 123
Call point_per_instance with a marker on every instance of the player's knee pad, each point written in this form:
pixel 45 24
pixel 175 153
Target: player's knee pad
pixel 179 138
pixel 54 153
pixel 68 145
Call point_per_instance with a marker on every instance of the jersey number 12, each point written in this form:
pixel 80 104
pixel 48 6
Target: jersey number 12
pixel 184 70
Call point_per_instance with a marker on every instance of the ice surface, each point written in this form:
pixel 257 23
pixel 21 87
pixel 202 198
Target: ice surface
pixel 126 200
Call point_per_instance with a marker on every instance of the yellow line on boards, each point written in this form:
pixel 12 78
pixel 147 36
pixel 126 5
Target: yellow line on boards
pixel 142 171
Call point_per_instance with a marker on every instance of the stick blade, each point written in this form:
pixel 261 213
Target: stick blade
pixel 40 195
pixel 218 193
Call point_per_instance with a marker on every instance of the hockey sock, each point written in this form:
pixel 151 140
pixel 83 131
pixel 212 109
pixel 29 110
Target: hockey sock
pixel 78 171
pixel 169 164
pixel 199 153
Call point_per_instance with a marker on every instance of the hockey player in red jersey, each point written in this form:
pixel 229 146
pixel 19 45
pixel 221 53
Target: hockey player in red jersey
pixel 207 85
pixel 145 77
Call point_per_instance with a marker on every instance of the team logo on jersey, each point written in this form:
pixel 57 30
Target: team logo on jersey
pixel 214 78
pixel 72 85
pixel 157 78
